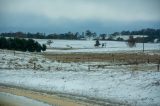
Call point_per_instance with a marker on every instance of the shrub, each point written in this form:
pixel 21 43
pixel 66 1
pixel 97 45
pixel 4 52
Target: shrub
pixel 131 42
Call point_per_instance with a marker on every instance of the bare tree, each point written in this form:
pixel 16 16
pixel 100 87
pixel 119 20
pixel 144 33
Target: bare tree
pixel 49 42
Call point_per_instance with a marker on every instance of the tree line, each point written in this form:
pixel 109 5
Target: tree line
pixel 21 44
pixel 68 35
pixel 38 35
pixel 151 33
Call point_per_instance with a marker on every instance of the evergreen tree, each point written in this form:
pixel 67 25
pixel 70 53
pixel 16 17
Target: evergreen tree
pixel 97 43
pixel 3 43
pixel 88 34
pixel 20 44
pixel 44 47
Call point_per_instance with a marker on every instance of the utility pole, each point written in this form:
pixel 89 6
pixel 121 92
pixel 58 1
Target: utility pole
pixel 14 47
pixel 143 42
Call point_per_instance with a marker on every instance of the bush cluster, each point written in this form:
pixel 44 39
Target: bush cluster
pixel 21 44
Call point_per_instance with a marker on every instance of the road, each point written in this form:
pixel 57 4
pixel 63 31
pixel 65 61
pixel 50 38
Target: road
pixel 50 99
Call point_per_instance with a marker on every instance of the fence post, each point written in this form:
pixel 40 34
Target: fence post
pixel 34 66
pixel 14 52
pixel 158 65
pixel 113 57
pixel 88 59
pixel 148 60
pixel 49 68
pixel 89 67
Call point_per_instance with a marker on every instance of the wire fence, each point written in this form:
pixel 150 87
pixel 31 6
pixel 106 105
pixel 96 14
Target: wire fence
pixel 124 58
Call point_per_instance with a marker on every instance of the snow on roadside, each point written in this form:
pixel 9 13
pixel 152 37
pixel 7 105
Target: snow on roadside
pixel 141 89
pixel 137 87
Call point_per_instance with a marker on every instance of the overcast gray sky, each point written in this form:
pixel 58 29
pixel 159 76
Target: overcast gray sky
pixel 102 16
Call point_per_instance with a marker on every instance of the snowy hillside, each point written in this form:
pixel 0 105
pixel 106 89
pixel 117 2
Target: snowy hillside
pixel 126 84
pixel 88 46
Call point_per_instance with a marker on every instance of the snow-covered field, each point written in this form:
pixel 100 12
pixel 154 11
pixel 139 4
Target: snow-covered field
pixel 88 46
pixel 127 84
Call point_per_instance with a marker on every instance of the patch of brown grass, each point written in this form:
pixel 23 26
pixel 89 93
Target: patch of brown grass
pixel 133 58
